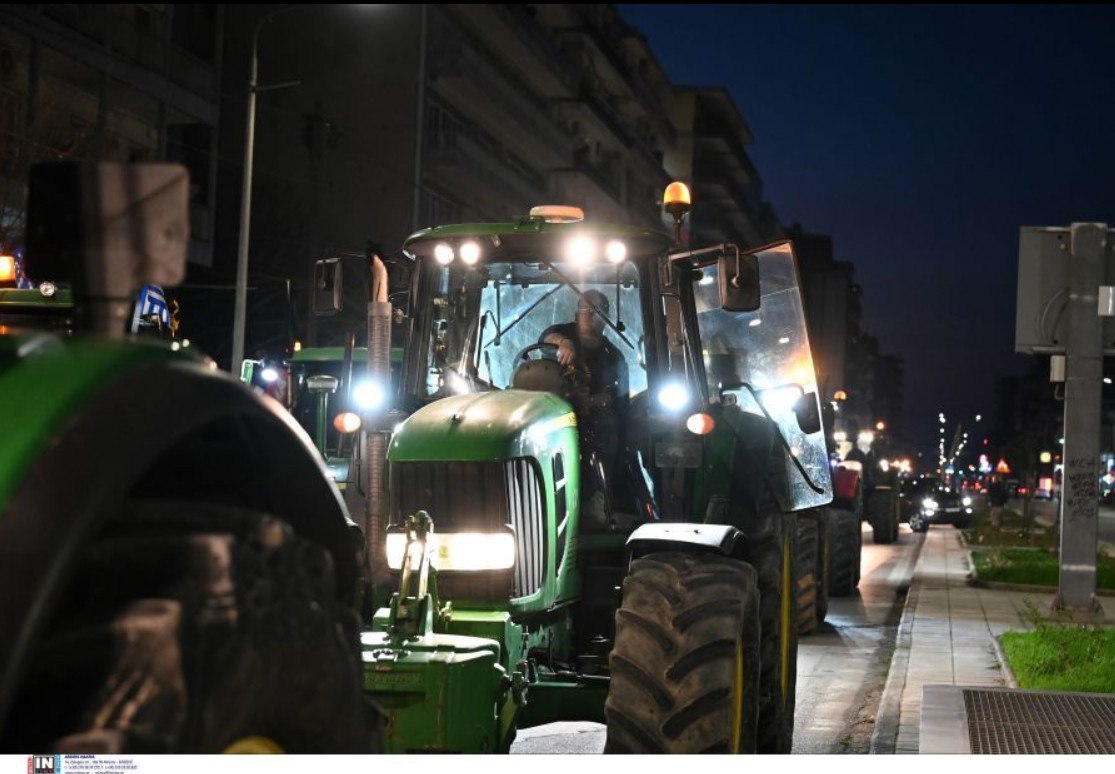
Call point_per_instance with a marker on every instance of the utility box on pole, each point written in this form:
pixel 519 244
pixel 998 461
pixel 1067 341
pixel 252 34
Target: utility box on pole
pixel 1060 273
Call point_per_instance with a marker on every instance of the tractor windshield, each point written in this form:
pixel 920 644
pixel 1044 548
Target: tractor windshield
pixel 484 317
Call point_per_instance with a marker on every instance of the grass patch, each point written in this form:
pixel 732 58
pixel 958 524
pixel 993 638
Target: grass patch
pixel 1062 658
pixel 1018 552
pixel 1014 532
pixel 1054 656
pixel 1033 566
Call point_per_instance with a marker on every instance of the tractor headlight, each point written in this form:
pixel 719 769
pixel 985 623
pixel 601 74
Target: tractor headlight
pixel 369 395
pixel 966 501
pixel 674 396
pixel 457 551
pixel 929 504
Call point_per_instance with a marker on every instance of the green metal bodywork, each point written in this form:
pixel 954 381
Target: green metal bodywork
pixel 30 299
pixel 507 425
pixel 44 378
pixel 485 426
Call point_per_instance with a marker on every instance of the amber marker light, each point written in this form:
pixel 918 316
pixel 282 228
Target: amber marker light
pixel 700 424
pixel 346 423
pixel 7 268
pixel 677 199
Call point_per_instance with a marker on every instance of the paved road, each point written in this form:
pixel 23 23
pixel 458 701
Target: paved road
pixel 1049 511
pixel 841 668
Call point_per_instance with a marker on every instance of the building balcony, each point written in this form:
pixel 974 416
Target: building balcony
pixel 721 178
pixel 475 87
pixel 516 34
pixel 592 110
pixel 479 171
pixel 616 74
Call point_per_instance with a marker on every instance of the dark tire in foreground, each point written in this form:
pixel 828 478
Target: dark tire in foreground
pixel 824 565
pixel 774 561
pixel 808 583
pixel 685 670
pixel 845 549
pixel 882 513
pixel 197 628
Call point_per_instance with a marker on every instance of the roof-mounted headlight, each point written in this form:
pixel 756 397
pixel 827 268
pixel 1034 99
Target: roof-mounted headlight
pixel 470 252
pixel 443 253
pixel 615 251
pixel 581 250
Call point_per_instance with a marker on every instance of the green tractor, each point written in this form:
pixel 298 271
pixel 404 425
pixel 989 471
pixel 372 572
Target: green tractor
pixel 177 574
pixel 599 529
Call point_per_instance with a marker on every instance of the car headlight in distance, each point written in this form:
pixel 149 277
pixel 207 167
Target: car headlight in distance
pixel 457 551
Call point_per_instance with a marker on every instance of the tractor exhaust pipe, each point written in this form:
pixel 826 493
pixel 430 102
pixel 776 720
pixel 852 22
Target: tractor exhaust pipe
pixel 379 370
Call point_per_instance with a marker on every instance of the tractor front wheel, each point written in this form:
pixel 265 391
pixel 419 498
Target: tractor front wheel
pixel 684 667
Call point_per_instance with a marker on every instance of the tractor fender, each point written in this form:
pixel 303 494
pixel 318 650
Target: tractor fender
pixel 662 536
pixel 154 427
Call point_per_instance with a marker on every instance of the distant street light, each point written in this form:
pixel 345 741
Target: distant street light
pixel 239 317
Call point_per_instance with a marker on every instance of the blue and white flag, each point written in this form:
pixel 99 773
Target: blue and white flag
pixel 150 303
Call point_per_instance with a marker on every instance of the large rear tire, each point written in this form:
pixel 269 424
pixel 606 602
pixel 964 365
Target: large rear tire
pixel 882 513
pixel 196 628
pixel 846 544
pixel 824 565
pixel 684 667
pixel 773 554
pixel 809 579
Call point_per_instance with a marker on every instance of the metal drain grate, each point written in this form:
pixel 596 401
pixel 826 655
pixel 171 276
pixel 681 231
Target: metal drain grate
pixel 1033 722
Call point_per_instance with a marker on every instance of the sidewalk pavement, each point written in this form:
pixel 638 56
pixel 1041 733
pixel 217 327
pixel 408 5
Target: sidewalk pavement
pixel 948 635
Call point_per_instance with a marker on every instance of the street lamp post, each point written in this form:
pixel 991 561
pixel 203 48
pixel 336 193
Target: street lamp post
pixel 240 314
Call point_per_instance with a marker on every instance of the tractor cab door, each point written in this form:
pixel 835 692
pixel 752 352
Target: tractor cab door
pixel 760 361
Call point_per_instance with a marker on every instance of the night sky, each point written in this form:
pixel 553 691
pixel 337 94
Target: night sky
pixel 921 139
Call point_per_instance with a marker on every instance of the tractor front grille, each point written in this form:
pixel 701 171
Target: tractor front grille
pixel 479 497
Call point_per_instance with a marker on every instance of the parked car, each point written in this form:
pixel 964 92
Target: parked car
pixel 930 500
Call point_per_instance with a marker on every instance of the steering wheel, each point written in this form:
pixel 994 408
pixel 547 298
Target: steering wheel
pixel 574 376
pixel 524 353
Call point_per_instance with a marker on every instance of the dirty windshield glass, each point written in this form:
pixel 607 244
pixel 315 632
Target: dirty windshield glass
pixel 485 316
pixel 767 350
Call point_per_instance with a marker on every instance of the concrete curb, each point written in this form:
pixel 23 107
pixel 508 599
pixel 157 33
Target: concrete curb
pixel 1004 666
pixel 884 737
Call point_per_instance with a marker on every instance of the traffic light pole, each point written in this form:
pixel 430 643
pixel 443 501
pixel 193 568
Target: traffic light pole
pixel 1083 382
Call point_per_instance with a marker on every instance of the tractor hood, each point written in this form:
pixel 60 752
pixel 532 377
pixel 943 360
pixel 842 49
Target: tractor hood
pixel 482 426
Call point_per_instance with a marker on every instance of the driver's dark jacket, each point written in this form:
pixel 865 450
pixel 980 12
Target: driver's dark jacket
pixel 606 367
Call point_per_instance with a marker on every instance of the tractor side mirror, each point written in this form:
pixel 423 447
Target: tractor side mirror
pixel 328 291
pixel 807 413
pixel 739 282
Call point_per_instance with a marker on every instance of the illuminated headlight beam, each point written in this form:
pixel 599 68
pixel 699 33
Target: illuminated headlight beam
pixel 457 551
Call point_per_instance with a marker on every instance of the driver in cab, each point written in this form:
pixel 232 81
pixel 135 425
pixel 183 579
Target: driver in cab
pixel 582 344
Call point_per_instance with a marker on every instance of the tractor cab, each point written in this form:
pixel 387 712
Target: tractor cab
pixel 677 347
